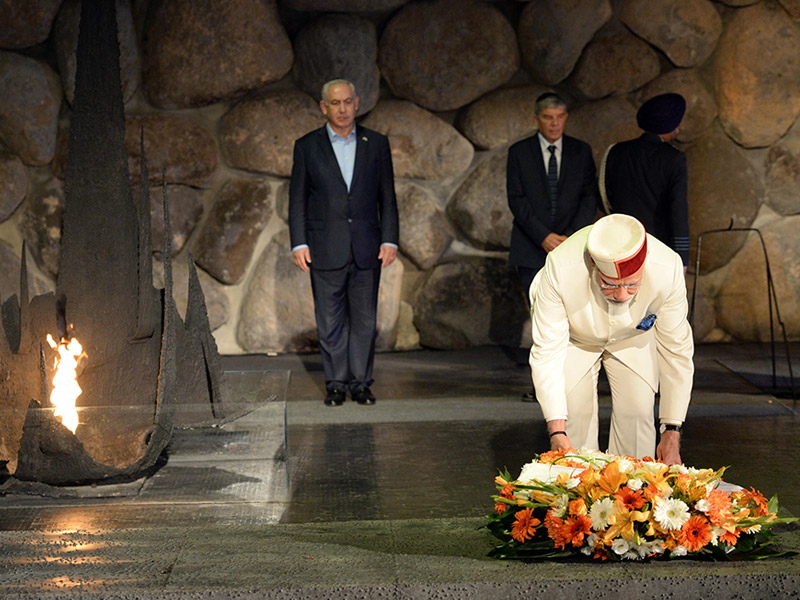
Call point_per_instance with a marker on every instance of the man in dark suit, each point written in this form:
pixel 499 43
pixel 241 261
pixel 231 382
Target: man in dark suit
pixel 646 178
pixel 344 227
pixel 552 190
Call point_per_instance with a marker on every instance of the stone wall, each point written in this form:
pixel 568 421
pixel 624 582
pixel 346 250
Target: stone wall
pixel 220 90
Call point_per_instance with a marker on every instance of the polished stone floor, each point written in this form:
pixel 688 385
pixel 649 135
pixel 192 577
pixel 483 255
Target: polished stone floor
pixel 381 501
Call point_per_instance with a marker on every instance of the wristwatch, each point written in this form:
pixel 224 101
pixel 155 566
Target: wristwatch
pixel 668 427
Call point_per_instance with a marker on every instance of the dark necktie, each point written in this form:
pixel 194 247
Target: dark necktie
pixel 552 183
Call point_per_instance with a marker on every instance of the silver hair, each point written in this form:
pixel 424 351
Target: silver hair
pixel 328 85
pixel 548 100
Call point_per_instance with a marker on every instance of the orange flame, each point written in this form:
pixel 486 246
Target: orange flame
pixel 65 382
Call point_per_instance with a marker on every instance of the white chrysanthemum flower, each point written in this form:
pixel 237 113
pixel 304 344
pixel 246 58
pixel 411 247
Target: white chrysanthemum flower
pixel 620 546
pixel 624 465
pixel 702 505
pixel 562 504
pixel 671 513
pixel 635 484
pixel 656 547
pixel 679 551
pixel 631 555
pixel 601 512
pixel 642 550
pixel 678 469
pixel 693 472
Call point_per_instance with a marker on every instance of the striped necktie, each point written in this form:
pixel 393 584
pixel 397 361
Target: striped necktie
pixel 552 183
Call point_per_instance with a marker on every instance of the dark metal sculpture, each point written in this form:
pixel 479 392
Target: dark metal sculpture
pixel 139 353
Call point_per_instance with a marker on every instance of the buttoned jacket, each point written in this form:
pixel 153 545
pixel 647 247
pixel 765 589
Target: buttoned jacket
pixel 573 324
pixel 330 219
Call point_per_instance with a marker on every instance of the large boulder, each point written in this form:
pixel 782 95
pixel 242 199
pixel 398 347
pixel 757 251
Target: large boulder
pixel 444 54
pixel 228 238
pixel 65 40
pixel 423 145
pixel 474 302
pixel 723 189
pixel 603 123
pixel 258 133
pixel 343 5
pixel 198 52
pixel 758 75
pixel 501 117
pixel 40 224
pixel 186 149
pixel 277 310
pixel 425 233
pixel 783 179
pixel 685 30
pixel 13 185
pixel 701 107
pixel 30 98
pixel 336 46
pixel 552 35
pixel 26 22
pixel 185 212
pixel 479 207
pixel 792 7
pixel 614 64
pixel 742 303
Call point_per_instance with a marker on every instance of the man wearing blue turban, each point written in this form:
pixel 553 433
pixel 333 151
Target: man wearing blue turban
pixel 646 178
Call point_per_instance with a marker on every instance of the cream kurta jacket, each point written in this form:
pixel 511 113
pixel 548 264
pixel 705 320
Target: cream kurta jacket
pixel 573 324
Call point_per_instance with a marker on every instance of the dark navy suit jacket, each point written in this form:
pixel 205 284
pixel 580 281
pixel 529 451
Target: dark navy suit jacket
pixel 647 179
pixel 331 220
pixel 529 200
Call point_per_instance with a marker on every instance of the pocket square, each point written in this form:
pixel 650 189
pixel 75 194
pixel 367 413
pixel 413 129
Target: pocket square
pixel 647 322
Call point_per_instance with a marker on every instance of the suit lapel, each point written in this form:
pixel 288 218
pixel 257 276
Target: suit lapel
pixel 328 154
pixel 362 141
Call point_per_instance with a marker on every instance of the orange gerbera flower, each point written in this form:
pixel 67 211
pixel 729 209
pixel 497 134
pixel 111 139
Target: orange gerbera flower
pixel 524 526
pixel 500 507
pixel 756 499
pixel 730 537
pixel 576 528
pixel 719 507
pixel 629 499
pixel 695 533
pixel 507 491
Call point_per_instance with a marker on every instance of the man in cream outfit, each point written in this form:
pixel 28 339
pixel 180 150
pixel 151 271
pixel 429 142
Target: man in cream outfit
pixel 612 294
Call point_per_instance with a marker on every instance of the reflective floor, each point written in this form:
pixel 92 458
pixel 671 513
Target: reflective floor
pixel 362 478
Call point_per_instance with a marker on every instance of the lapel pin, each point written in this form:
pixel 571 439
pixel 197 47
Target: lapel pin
pixel 364 138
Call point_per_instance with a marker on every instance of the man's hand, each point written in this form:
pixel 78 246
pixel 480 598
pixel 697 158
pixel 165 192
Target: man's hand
pixel 560 441
pixel 552 241
pixel 302 258
pixel 387 255
pixel 669 448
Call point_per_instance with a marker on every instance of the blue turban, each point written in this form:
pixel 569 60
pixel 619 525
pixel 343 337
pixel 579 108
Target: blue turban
pixel 662 113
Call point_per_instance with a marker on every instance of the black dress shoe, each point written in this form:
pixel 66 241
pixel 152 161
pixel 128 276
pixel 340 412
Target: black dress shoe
pixel 363 396
pixel 335 397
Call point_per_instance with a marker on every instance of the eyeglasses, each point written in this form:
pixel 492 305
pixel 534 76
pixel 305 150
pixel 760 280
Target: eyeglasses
pixel 604 285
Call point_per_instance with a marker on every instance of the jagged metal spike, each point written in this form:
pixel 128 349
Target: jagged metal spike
pixel 197 323
pixel 145 322
pixel 44 396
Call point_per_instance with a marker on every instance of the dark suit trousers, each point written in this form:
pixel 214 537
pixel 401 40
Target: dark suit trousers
pixel 345 306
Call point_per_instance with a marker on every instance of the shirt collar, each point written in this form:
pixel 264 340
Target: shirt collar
pixel 332 135
pixel 559 143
